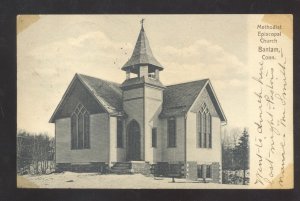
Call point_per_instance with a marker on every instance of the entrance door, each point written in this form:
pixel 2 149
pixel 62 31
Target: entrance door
pixel 133 141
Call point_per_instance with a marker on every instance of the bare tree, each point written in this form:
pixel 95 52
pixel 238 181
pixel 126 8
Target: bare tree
pixel 35 150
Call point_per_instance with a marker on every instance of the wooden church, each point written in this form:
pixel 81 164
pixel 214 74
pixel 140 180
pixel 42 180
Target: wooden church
pixel 141 125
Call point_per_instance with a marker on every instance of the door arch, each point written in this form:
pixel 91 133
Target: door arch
pixel 133 152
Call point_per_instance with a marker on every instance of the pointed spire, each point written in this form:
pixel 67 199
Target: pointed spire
pixel 142 53
pixel 142 23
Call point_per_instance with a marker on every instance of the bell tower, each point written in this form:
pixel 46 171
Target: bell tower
pixel 142 98
pixel 142 62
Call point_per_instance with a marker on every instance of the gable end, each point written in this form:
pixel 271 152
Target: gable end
pixel 208 96
pixel 76 93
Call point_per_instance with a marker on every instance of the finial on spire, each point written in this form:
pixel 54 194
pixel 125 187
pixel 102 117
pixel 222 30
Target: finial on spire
pixel 142 22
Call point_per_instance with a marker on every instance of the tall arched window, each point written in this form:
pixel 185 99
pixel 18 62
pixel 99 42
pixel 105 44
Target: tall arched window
pixel 204 128
pixel 80 128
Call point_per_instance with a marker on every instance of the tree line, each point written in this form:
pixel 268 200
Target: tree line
pixel 235 155
pixel 35 153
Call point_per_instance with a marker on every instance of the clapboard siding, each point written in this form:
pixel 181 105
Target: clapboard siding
pixel 173 154
pixel 134 108
pixel 203 155
pixel 63 140
pixel 153 107
pixel 115 154
pixel 99 139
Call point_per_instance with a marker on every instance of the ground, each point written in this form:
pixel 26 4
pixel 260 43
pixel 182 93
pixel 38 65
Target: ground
pixel 95 180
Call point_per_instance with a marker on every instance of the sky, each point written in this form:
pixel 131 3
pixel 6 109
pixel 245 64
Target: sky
pixel 52 48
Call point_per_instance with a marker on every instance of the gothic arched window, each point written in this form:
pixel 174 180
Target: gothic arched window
pixel 80 128
pixel 204 128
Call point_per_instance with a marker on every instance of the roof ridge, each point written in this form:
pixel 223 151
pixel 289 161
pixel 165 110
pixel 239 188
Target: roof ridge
pixel 100 99
pixel 79 74
pixel 180 83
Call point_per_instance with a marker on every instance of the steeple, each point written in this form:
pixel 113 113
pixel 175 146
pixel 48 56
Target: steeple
pixel 142 55
pixel 142 98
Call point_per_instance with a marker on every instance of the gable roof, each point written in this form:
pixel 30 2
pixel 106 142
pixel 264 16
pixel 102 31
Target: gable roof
pixel 178 98
pixel 142 53
pixel 108 94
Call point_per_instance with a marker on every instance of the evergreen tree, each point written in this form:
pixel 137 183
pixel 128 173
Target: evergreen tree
pixel 242 154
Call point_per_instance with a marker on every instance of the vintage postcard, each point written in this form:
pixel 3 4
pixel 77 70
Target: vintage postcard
pixel 155 101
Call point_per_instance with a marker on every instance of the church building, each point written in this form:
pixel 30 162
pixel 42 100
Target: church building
pixel 139 124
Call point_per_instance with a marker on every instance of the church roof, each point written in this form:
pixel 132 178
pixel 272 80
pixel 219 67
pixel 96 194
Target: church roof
pixel 179 98
pixel 106 92
pixel 142 53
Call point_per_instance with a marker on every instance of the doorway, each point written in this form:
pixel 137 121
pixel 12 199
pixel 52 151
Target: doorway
pixel 133 141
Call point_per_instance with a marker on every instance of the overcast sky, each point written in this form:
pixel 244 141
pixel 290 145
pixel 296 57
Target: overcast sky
pixel 190 47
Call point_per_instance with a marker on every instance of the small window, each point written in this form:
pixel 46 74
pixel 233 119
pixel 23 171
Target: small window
pixel 199 171
pixel 208 171
pixel 154 137
pixel 172 132
pixel 119 133
pixel 151 75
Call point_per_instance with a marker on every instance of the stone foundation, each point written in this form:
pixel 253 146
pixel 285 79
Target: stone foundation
pixel 192 172
pixel 89 167
pixel 216 176
pixel 141 167
pixel 165 169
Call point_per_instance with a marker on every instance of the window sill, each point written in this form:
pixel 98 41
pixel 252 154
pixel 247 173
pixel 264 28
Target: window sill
pixel 80 149
pixel 171 147
pixel 204 148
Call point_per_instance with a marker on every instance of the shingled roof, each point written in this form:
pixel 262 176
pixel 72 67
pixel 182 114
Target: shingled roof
pixel 178 98
pixel 107 93
pixel 142 53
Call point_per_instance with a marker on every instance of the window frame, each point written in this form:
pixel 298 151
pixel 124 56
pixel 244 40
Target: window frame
pixel 172 144
pixel 199 171
pixel 204 132
pixel 120 140
pixel 209 173
pixel 80 113
pixel 154 140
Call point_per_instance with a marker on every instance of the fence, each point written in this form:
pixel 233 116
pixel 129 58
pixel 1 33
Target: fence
pixel 35 154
